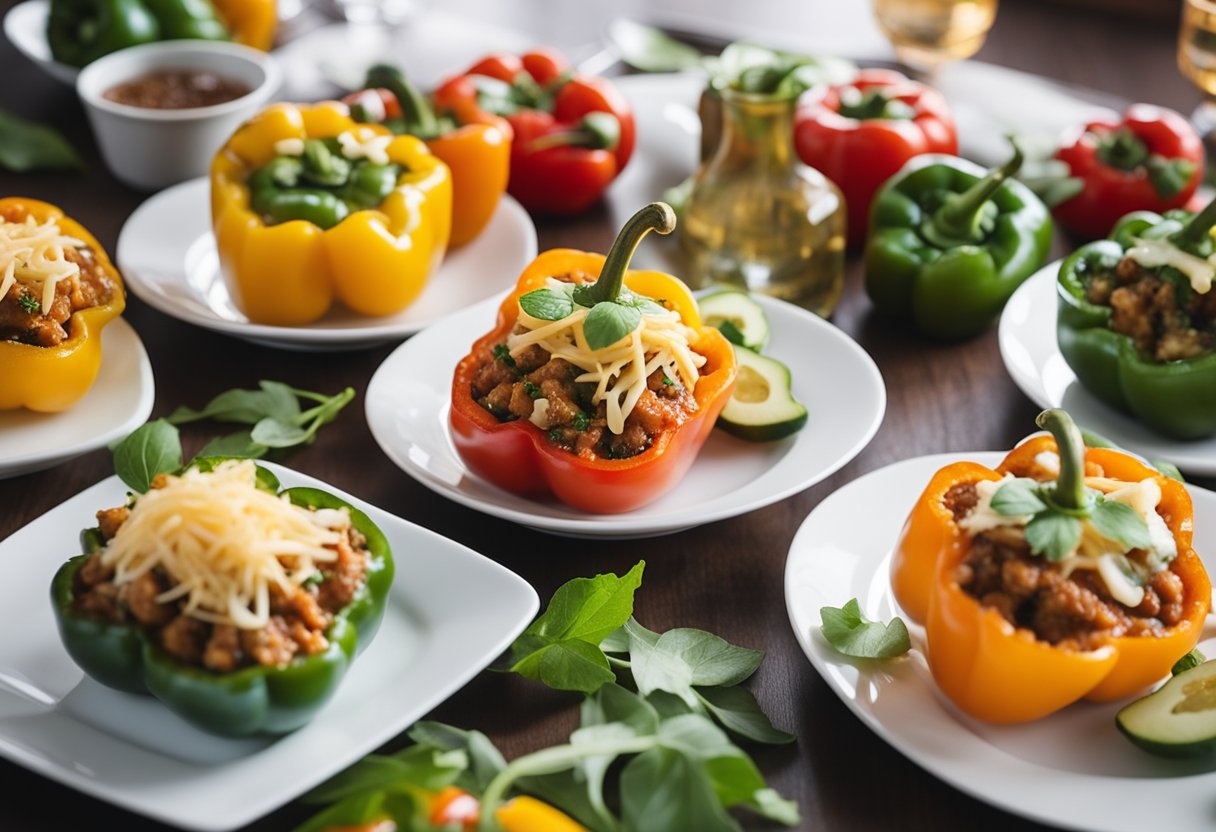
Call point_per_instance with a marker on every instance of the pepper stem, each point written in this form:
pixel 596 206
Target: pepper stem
pixel 1070 487
pixel 1197 227
pixel 657 216
pixel 415 110
pixel 1122 149
pixel 961 219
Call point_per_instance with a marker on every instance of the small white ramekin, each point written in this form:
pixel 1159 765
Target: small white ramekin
pixel 150 149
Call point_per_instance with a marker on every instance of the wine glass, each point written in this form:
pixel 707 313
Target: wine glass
pixel 1197 60
pixel 928 33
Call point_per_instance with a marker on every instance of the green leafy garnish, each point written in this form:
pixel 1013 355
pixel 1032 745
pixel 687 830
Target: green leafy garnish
pixel 547 304
pixel 29 304
pixel 1191 659
pixel 151 449
pixel 732 332
pixel 609 322
pixel 532 390
pixel 580 421
pixel 847 630
pixel 27 146
pixel 503 353
pixel 1053 534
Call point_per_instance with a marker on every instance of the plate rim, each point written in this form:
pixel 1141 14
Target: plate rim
pixel 61 72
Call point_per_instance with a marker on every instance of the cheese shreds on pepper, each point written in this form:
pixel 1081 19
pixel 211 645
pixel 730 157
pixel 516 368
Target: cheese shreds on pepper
pixel 1154 253
pixel 619 371
pixel 33 254
pixel 223 541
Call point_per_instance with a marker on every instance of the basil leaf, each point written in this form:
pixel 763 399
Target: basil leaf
pixel 239 445
pixel 1018 498
pixel 153 448
pixel 1120 523
pixel 567 665
pixel 589 609
pixel 613 703
pixel 662 789
pixel 643 304
pixel 28 146
pixel 608 323
pixel 648 49
pixel 547 304
pixel 710 659
pixel 847 630
pixel 275 434
pixel 1053 534
pixel 737 711
pixel 418 765
pixel 485 760
pixel 1191 659
pixel 354 811
pixel 244 406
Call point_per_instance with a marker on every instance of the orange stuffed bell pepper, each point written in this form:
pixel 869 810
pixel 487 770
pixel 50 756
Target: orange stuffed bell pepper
pixel 58 290
pixel 1038 590
pixel 598 385
pixel 310 207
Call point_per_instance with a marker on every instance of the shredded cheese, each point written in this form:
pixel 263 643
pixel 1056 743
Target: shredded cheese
pixel 365 144
pixel 223 542
pixel 33 254
pixel 619 371
pixel 1154 253
pixel 289 147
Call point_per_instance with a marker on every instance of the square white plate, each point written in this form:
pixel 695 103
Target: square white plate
pixel 451 611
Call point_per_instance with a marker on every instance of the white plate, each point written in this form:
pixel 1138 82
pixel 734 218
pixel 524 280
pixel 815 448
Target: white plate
pixel 1072 769
pixel 1032 357
pixel 167 255
pixel 408 400
pixel 119 402
pixel 451 611
pixel 25 27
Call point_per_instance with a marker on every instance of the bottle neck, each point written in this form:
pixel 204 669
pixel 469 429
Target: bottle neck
pixel 757 130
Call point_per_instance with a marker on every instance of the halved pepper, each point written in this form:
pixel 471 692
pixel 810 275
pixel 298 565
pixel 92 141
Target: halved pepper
pixel 52 379
pixel 478 152
pixel 1002 674
pixel 1176 398
pixel 950 242
pixel 518 457
pixel 252 700
pixel 375 261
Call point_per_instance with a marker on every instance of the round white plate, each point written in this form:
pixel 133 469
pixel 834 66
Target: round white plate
pixel 409 396
pixel 1032 357
pixel 119 402
pixel 25 27
pixel 167 255
pixel 1072 769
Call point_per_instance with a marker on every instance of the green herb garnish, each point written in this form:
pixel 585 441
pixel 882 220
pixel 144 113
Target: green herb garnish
pixel 29 304
pixel 580 422
pixel 532 390
pixel 847 630
pixel 547 304
pixel 503 353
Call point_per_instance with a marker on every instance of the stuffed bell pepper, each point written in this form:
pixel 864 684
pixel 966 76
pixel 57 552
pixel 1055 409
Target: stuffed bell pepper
pixel 597 384
pixel 1149 160
pixel 310 207
pixel 573 134
pixel 950 242
pixel 860 134
pixel 478 152
pixel 58 290
pixel 239 607
pixel 1066 573
pixel 81 31
pixel 1137 320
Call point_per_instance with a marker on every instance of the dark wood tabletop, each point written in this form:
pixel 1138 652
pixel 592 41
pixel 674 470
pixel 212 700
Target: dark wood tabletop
pixel 726 577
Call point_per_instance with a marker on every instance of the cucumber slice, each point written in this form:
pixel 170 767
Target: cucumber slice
pixel 1178 719
pixel 725 310
pixel 761 407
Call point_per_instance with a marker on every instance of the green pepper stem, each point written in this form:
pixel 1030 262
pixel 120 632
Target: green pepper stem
pixel 874 103
pixel 960 219
pixel 657 216
pixel 1122 149
pixel 1198 226
pixel 417 113
pixel 1070 487
pixel 596 131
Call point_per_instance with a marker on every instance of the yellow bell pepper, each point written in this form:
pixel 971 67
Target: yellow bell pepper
pixel 251 22
pixel 375 261
pixel 52 379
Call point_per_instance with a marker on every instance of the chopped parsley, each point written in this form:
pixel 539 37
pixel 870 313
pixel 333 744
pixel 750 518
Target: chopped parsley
pixel 668 381
pixel 532 390
pixel 503 354
pixel 580 422
pixel 556 436
pixel 29 304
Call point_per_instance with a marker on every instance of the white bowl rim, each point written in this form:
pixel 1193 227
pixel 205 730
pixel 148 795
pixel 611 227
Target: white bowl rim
pixel 271 78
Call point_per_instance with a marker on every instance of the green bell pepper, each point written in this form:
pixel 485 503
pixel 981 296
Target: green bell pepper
pixel 1176 398
pixel 252 700
pixel 81 31
pixel 950 242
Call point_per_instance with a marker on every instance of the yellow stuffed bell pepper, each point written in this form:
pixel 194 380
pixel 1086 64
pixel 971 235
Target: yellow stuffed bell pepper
pixel 50 352
pixel 310 207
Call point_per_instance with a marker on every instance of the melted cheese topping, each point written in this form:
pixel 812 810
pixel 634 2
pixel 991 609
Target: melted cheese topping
pixel 619 371
pixel 1154 253
pixel 224 541
pixel 32 254
pixel 365 144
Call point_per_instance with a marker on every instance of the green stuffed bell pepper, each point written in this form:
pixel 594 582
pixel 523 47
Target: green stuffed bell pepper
pixel 950 242
pixel 81 31
pixel 1137 320
pixel 143 621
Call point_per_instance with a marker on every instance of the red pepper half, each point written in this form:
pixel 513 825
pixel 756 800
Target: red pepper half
pixel 573 133
pixel 861 133
pixel 1150 160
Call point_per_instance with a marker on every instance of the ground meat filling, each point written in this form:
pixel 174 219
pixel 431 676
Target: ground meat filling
pixel 1164 318
pixel 1074 611
pixel 297 623
pixel 508 387
pixel 22 318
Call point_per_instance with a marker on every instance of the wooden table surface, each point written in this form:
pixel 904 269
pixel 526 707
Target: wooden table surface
pixel 726 577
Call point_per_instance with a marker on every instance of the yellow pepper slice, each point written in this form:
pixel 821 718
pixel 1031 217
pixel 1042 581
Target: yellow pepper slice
pixel 251 22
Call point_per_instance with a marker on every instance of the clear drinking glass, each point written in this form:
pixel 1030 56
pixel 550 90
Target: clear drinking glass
pixel 1197 60
pixel 928 33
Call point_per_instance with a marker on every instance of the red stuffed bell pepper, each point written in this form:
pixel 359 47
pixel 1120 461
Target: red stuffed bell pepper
pixel 597 390
pixel 1151 160
pixel 573 133
pixel 861 133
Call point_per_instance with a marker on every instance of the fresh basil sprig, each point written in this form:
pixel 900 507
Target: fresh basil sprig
pixel 852 634
pixel 28 146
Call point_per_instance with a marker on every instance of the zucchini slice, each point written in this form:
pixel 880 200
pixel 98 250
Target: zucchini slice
pixel 739 317
pixel 1179 718
pixel 761 407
